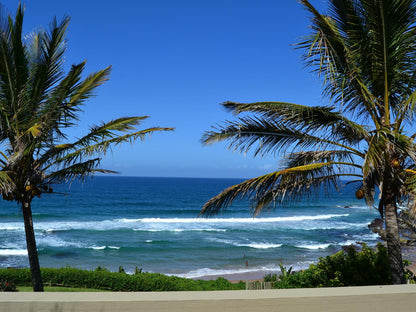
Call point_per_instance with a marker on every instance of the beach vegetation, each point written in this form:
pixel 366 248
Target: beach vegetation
pixel 349 267
pixel 365 53
pixel 105 280
pixel 7 286
pixel 39 103
pixel 57 289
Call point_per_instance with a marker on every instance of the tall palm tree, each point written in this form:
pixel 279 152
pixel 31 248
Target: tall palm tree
pixel 38 102
pixel 365 50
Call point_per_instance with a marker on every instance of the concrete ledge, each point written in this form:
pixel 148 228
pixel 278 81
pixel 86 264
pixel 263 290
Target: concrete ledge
pixel 377 298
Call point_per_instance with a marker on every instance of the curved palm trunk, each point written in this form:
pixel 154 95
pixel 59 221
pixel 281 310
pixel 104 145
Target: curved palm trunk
pixel 393 240
pixel 31 247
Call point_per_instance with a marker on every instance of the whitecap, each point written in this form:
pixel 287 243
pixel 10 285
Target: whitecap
pixel 54 241
pixel 254 245
pixel 263 269
pixel 105 225
pixel 221 272
pixel 98 247
pixel 113 247
pixel 261 245
pixel 179 230
pixel 234 220
pixel 314 246
pixel 13 252
pixel 12 226
pixel 366 237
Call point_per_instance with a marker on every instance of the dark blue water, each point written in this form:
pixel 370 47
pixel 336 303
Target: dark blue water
pixel 152 223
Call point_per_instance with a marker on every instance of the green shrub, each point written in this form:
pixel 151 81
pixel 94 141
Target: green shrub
pixel 349 267
pixel 103 279
pixel 7 286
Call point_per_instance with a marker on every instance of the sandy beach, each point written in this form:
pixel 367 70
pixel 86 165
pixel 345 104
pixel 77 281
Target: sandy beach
pixel 246 276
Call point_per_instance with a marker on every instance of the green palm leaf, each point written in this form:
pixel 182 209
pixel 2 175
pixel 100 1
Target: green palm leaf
pixel 365 53
pixel 307 118
pixel 78 170
pixel 285 184
pixel 38 102
pixel 268 137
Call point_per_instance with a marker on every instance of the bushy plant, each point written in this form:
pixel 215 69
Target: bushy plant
pixel 102 278
pixel 7 286
pixel 349 267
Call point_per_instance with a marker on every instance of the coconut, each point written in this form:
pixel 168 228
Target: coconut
pixel 359 194
pixel 395 163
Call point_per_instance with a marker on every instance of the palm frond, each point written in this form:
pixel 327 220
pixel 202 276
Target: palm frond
pixel 98 141
pixel 46 63
pixel 79 170
pixel 268 137
pixel 318 156
pixel 54 111
pixel 6 182
pixel 18 51
pixel 103 146
pixel 308 118
pixel 334 55
pixel 60 109
pixel 276 187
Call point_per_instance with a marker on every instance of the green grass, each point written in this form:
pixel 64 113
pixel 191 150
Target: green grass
pixel 58 289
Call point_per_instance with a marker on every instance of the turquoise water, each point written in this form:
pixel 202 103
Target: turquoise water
pixel 151 223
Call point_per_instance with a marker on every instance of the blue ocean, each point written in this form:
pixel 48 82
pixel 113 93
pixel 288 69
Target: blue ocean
pixel 153 224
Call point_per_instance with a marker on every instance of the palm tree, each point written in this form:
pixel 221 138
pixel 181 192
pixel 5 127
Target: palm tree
pixel 365 51
pixel 38 102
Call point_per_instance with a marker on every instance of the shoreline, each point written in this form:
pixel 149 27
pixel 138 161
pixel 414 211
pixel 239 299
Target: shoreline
pixel 237 277
pixel 408 253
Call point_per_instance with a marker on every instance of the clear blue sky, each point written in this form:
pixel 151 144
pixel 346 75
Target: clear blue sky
pixel 177 61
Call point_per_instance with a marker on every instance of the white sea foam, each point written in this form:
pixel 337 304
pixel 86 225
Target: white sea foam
pixel 366 237
pixel 103 247
pixel 314 247
pixel 162 224
pixel 12 226
pixel 54 241
pixel 232 220
pixel 261 245
pixel 254 245
pixel 98 247
pixel 347 243
pixel 261 270
pixel 213 272
pixel 333 225
pixel 179 230
pixel 13 252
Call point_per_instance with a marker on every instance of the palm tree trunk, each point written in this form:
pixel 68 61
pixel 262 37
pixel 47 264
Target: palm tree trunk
pixel 31 247
pixel 393 241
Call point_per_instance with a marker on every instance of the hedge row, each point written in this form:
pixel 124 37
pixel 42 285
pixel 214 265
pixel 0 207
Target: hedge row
pixel 349 267
pixel 106 280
